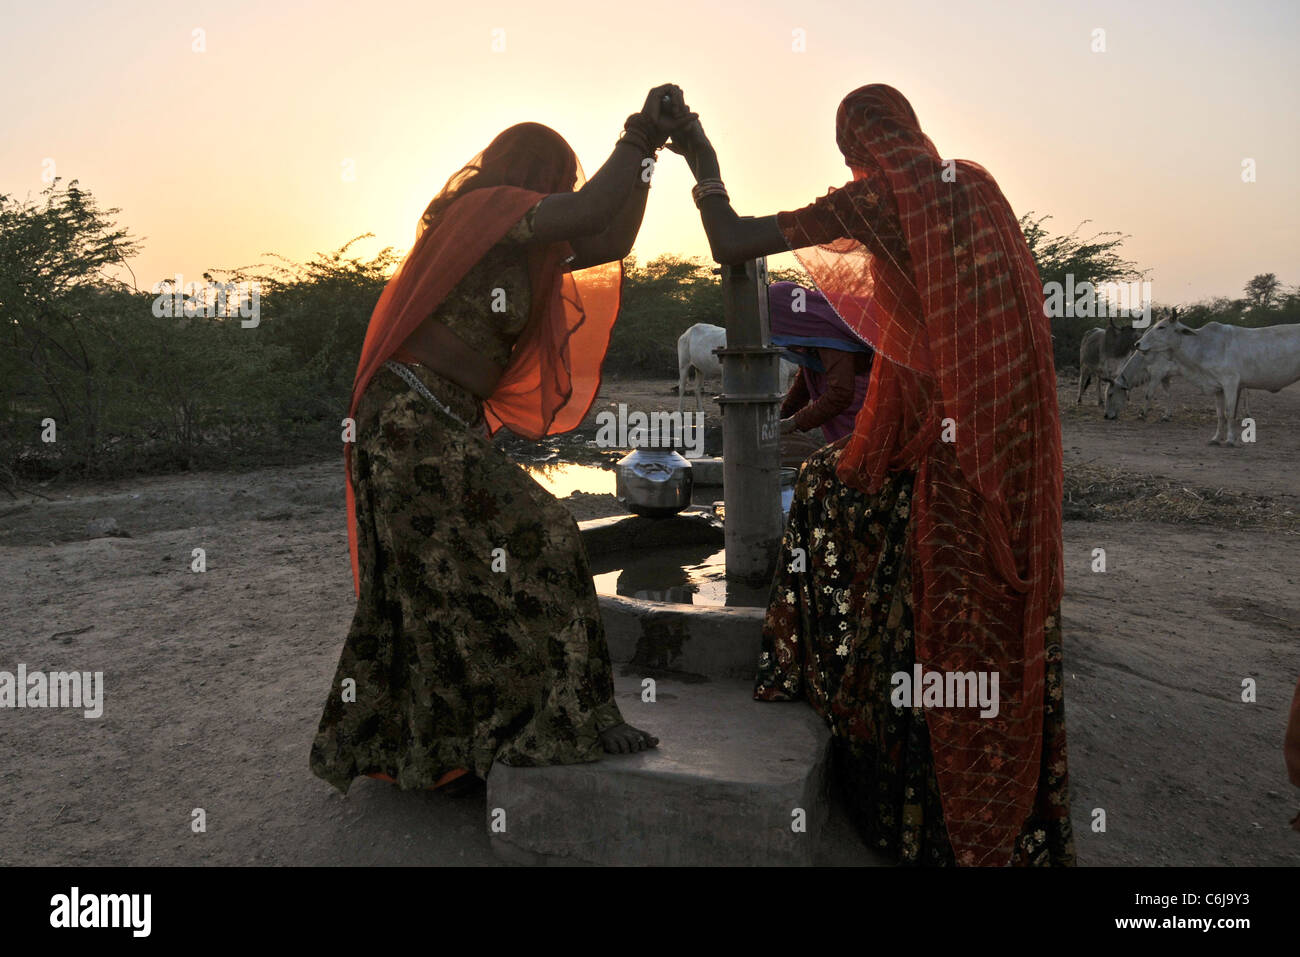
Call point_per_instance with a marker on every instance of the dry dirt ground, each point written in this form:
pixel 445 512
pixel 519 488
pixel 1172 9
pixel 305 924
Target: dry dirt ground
pixel 215 681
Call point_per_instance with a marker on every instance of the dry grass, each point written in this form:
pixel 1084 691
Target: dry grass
pixel 1095 493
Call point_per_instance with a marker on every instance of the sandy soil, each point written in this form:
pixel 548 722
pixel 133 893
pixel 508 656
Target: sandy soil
pixel 215 680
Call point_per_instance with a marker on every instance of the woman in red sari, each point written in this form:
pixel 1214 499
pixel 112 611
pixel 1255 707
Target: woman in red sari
pixel 927 542
pixel 477 635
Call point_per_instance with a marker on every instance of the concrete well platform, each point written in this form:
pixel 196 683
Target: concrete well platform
pixel 692 641
pixel 723 787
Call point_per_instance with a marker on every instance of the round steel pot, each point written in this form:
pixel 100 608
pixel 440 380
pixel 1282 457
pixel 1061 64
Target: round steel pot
pixel 653 482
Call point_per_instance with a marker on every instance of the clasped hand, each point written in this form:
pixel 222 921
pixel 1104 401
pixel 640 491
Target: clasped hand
pixel 666 108
pixel 677 124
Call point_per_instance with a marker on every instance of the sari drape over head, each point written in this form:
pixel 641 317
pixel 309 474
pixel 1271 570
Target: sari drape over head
pixel 963 392
pixel 554 369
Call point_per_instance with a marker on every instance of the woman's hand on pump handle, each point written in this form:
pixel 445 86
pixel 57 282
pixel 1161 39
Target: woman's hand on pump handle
pixel 690 142
pixel 666 108
pixel 665 112
pixel 601 219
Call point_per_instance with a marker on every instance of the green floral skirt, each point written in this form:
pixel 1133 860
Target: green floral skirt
pixel 838 631
pixel 477 634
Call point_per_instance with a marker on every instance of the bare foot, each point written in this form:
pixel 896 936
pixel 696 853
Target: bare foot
pixel 625 739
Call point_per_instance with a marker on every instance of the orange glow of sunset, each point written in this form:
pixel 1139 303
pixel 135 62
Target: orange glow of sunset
pixel 228 131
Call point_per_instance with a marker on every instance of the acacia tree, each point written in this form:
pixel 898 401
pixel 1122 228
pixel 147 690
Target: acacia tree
pixel 1262 290
pixel 1095 259
pixel 55 254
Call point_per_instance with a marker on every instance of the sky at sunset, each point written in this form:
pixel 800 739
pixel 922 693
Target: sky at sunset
pixel 303 124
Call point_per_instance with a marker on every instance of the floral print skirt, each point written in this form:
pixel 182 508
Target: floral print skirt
pixel 477 634
pixel 836 632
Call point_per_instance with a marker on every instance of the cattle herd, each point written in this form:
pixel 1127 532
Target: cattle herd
pixel 1216 358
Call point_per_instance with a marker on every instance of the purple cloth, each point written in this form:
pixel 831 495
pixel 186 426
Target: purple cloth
pixel 817 327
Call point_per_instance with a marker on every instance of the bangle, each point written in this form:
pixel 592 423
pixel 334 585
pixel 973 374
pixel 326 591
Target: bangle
pixel 639 122
pixel 708 187
pixel 637 139
pixel 639 131
pixel 700 197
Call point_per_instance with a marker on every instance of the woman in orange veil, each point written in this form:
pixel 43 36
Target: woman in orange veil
pixel 932 533
pixel 477 635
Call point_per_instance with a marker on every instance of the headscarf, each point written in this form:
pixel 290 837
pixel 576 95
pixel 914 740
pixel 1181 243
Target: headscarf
pixel 802 318
pixel 967 357
pixel 554 370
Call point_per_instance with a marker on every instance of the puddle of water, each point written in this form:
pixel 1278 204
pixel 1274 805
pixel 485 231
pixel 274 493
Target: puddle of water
pixel 564 478
pixel 685 574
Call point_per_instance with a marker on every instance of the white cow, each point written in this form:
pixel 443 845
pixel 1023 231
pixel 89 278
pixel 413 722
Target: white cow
pixel 1117 344
pixel 1142 371
pixel 1146 371
pixel 1226 359
pixel 695 352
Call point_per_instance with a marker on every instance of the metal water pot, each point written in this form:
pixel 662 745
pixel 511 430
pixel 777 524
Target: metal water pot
pixel 653 482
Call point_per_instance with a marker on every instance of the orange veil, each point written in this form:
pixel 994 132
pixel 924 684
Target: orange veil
pixel 964 393
pixel 554 370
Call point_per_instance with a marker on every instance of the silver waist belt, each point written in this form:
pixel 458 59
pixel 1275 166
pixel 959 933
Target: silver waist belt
pixel 414 382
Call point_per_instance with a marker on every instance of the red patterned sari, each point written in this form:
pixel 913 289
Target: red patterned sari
pixel 959 439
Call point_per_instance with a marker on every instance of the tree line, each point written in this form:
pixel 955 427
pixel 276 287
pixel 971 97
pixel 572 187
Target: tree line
pixel 86 361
